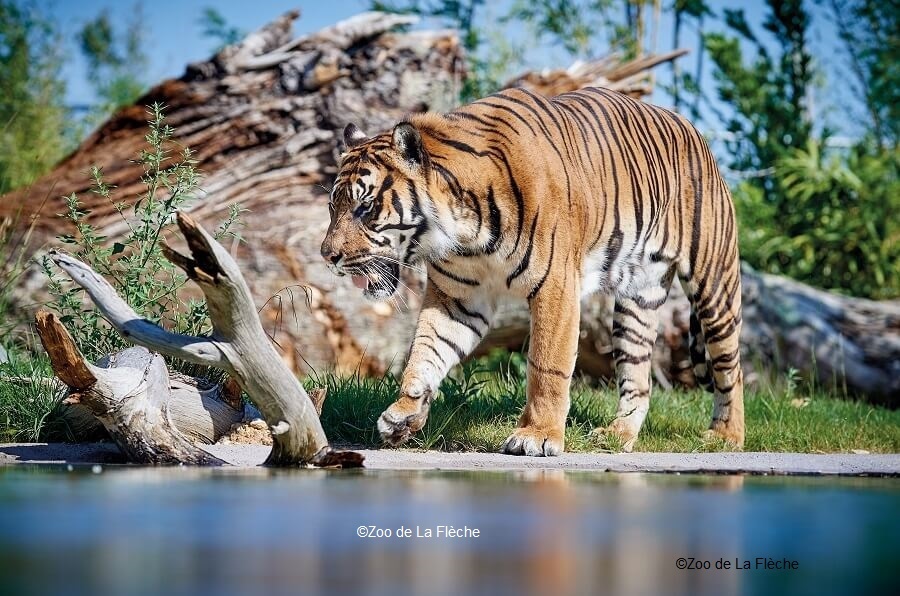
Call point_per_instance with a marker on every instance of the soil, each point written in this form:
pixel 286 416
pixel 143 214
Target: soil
pixel 244 455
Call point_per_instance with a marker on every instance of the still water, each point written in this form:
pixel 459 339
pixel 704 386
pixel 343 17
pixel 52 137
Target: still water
pixel 129 530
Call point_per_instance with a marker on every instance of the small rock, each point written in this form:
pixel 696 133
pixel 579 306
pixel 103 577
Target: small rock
pixel 860 451
pixel 254 432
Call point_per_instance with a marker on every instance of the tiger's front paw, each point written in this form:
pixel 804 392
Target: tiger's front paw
pixel 404 417
pixel 535 442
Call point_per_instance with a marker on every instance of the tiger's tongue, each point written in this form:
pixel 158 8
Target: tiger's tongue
pixel 360 281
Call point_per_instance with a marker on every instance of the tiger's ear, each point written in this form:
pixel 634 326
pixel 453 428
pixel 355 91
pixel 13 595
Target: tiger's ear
pixel 353 136
pixel 408 142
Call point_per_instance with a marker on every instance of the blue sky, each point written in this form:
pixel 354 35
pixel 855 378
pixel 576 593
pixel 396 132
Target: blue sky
pixel 173 37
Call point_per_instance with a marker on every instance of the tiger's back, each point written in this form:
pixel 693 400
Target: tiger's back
pixel 637 183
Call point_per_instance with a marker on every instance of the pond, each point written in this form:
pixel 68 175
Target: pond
pixel 131 530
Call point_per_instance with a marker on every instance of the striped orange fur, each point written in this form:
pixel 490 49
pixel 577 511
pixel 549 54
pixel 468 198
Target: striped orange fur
pixel 516 196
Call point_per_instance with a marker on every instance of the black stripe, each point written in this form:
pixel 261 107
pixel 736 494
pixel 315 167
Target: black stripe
pixel 548 371
pixel 523 264
pixel 484 122
pixel 453 276
pixel 626 333
pixel 540 284
pixel 494 223
pixel 434 351
pixel 460 353
pixel 469 313
pixel 622 357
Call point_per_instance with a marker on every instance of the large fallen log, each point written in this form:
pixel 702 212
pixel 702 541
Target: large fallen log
pixel 264 118
pixel 847 345
pixel 131 395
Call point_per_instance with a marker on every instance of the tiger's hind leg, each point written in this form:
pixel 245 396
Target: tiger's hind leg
pixel 633 337
pixel 717 306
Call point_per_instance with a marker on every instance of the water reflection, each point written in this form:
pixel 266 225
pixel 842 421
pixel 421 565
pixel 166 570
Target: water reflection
pixel 191 531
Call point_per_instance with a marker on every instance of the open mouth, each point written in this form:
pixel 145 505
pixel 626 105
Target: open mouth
pixel 378 279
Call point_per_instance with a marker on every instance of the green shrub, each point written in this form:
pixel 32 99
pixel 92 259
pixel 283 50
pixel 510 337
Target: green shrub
pixel 831 222
pixel 135 265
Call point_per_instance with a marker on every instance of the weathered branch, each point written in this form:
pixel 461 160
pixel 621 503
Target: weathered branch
pixel 850 344
pixel 129 394
pixel 131 325
pixel 238 345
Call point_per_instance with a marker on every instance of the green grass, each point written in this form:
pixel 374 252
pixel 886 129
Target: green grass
pixel 477 410
pixel 30 401
pixel 479 405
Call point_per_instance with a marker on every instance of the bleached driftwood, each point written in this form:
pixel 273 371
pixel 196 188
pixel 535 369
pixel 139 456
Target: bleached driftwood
pixel 238 345
pixel 128 393
pixel 201 409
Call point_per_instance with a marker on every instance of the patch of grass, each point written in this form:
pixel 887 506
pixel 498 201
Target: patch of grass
pixel 479 405
pixel 478 409
pixel 30 401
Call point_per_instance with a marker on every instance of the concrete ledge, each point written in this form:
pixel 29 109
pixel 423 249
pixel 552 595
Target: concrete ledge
pixel 395 459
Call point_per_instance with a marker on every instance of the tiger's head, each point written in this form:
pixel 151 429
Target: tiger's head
pixel 383 212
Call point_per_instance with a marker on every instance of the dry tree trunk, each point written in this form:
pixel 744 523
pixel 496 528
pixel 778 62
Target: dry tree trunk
pixel 263 118
pixel 848 344
pixel 851 344
pixel 131 395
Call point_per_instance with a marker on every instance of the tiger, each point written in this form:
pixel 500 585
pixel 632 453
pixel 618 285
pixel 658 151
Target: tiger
pixel 520 196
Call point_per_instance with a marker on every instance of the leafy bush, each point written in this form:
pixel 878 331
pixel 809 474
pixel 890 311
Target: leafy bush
pixel 135 266
pixel 831 222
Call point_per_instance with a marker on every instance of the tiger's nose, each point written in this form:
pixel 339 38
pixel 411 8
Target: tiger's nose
pixel 331 256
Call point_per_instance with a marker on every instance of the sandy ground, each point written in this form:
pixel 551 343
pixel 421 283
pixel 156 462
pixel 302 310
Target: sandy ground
pixel 394 459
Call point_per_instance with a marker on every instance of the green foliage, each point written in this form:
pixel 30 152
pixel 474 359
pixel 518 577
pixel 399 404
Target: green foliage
pixel 30 400
pixel 115 61
pixel 870 30
pixel 831 220
pixel 33 119
pixel 825 218
pixel 217 28
pixel 768 97
pixel 565 22
pixel 13 261
pixel 685 84
pixel 135 266
pixel 586 28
